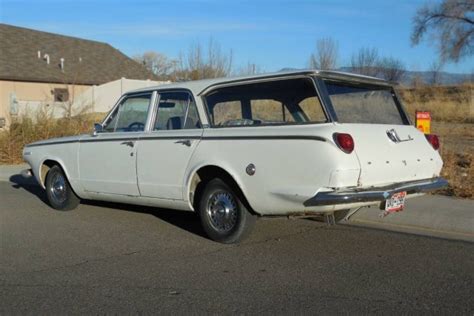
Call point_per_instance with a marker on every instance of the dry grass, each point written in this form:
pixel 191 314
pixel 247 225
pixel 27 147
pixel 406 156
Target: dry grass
pixel 447 104
pixel 27 130
pixel 457 151
pixel 458 169
pixel 452 110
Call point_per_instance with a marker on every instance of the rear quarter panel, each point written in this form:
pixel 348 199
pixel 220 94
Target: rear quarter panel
pixel 288 171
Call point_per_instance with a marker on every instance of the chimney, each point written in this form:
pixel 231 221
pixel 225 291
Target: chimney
pixel 46 57
pixel 62 64
pixel 39 54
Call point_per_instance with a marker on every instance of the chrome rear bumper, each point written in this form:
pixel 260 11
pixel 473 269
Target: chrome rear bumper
pixel 375 194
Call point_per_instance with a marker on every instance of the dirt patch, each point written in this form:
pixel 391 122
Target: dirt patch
pixel 457 151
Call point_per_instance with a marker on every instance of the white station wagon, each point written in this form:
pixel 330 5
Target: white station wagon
pixel 233 149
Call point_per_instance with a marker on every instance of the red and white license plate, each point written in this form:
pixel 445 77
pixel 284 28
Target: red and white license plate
pixel 396 203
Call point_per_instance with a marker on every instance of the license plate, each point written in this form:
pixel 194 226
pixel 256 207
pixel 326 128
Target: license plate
pixel 396 203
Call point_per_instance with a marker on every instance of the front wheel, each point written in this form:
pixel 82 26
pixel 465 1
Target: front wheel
pixel 223 216
pixel 58 190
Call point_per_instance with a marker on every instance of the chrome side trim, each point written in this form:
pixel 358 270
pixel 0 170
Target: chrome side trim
pixel 149 136
pixel 276 137
pixel 375 194
pixel 51 143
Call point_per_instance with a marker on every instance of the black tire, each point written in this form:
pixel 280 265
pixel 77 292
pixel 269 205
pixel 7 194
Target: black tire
pixel 58 190
pixel 224 217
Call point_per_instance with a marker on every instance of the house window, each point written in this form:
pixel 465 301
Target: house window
pixel 61 95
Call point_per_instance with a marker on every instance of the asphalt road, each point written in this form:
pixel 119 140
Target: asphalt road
pixel 122 259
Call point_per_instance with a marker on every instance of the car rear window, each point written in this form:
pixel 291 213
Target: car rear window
pixel 364 104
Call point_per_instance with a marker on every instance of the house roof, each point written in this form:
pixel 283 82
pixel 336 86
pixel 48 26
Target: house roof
pixel 23 57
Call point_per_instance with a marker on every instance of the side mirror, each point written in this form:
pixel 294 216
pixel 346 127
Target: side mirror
pixel 98 128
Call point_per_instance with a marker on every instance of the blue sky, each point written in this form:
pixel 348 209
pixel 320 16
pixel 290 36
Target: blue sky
pixel 272 34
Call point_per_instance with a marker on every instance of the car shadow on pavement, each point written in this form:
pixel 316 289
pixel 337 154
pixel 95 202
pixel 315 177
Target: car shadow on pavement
pixel 187 221
pixel 30 185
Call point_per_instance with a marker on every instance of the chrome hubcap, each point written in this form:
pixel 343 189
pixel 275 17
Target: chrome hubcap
pixel 58 188
pixel 222 211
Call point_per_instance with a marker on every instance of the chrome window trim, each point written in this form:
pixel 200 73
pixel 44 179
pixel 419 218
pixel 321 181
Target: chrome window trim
pixel 151 111
pixel 187 111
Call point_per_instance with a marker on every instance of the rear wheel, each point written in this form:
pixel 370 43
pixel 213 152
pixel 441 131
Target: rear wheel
pixel 58 190
pixel 223 216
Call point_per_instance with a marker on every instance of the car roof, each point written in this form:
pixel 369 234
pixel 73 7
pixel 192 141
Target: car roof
pixel 198 87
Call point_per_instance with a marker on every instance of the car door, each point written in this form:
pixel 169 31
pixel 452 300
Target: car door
pixel 107 160
pixel 164 153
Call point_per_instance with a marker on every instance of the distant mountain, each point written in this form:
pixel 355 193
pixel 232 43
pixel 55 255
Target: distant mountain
pixel 446 78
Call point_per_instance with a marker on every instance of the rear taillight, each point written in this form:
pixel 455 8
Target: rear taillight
pixel 433 140
pixel 344 141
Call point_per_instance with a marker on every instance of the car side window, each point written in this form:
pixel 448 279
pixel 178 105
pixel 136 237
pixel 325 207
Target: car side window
pixel 313 109
pixel 130 115
pixel 176 110
pixel 227 112
pixel 274 102
pixel 270 111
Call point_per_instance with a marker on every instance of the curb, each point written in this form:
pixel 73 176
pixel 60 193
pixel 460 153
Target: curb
pixel 429 215
pixel 12 173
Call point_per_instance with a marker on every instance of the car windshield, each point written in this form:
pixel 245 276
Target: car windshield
pixel 355 103
pixel 277 102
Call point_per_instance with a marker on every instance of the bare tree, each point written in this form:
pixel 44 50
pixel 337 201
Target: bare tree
pixel 417 80
pixel 391 69
pixel 249 69
pixel 451 23
pixel 365 62
pixel 435 72
pixel 326 54
pixel 199 65
pixel 157 63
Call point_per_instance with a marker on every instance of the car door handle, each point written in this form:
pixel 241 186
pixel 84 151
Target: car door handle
pixel 128 143
pixel 186 142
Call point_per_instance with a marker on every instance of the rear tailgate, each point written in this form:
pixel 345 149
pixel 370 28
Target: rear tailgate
pixel 389 149
pixel 385 161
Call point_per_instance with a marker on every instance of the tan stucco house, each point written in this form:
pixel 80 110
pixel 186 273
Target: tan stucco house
pixel 39 68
